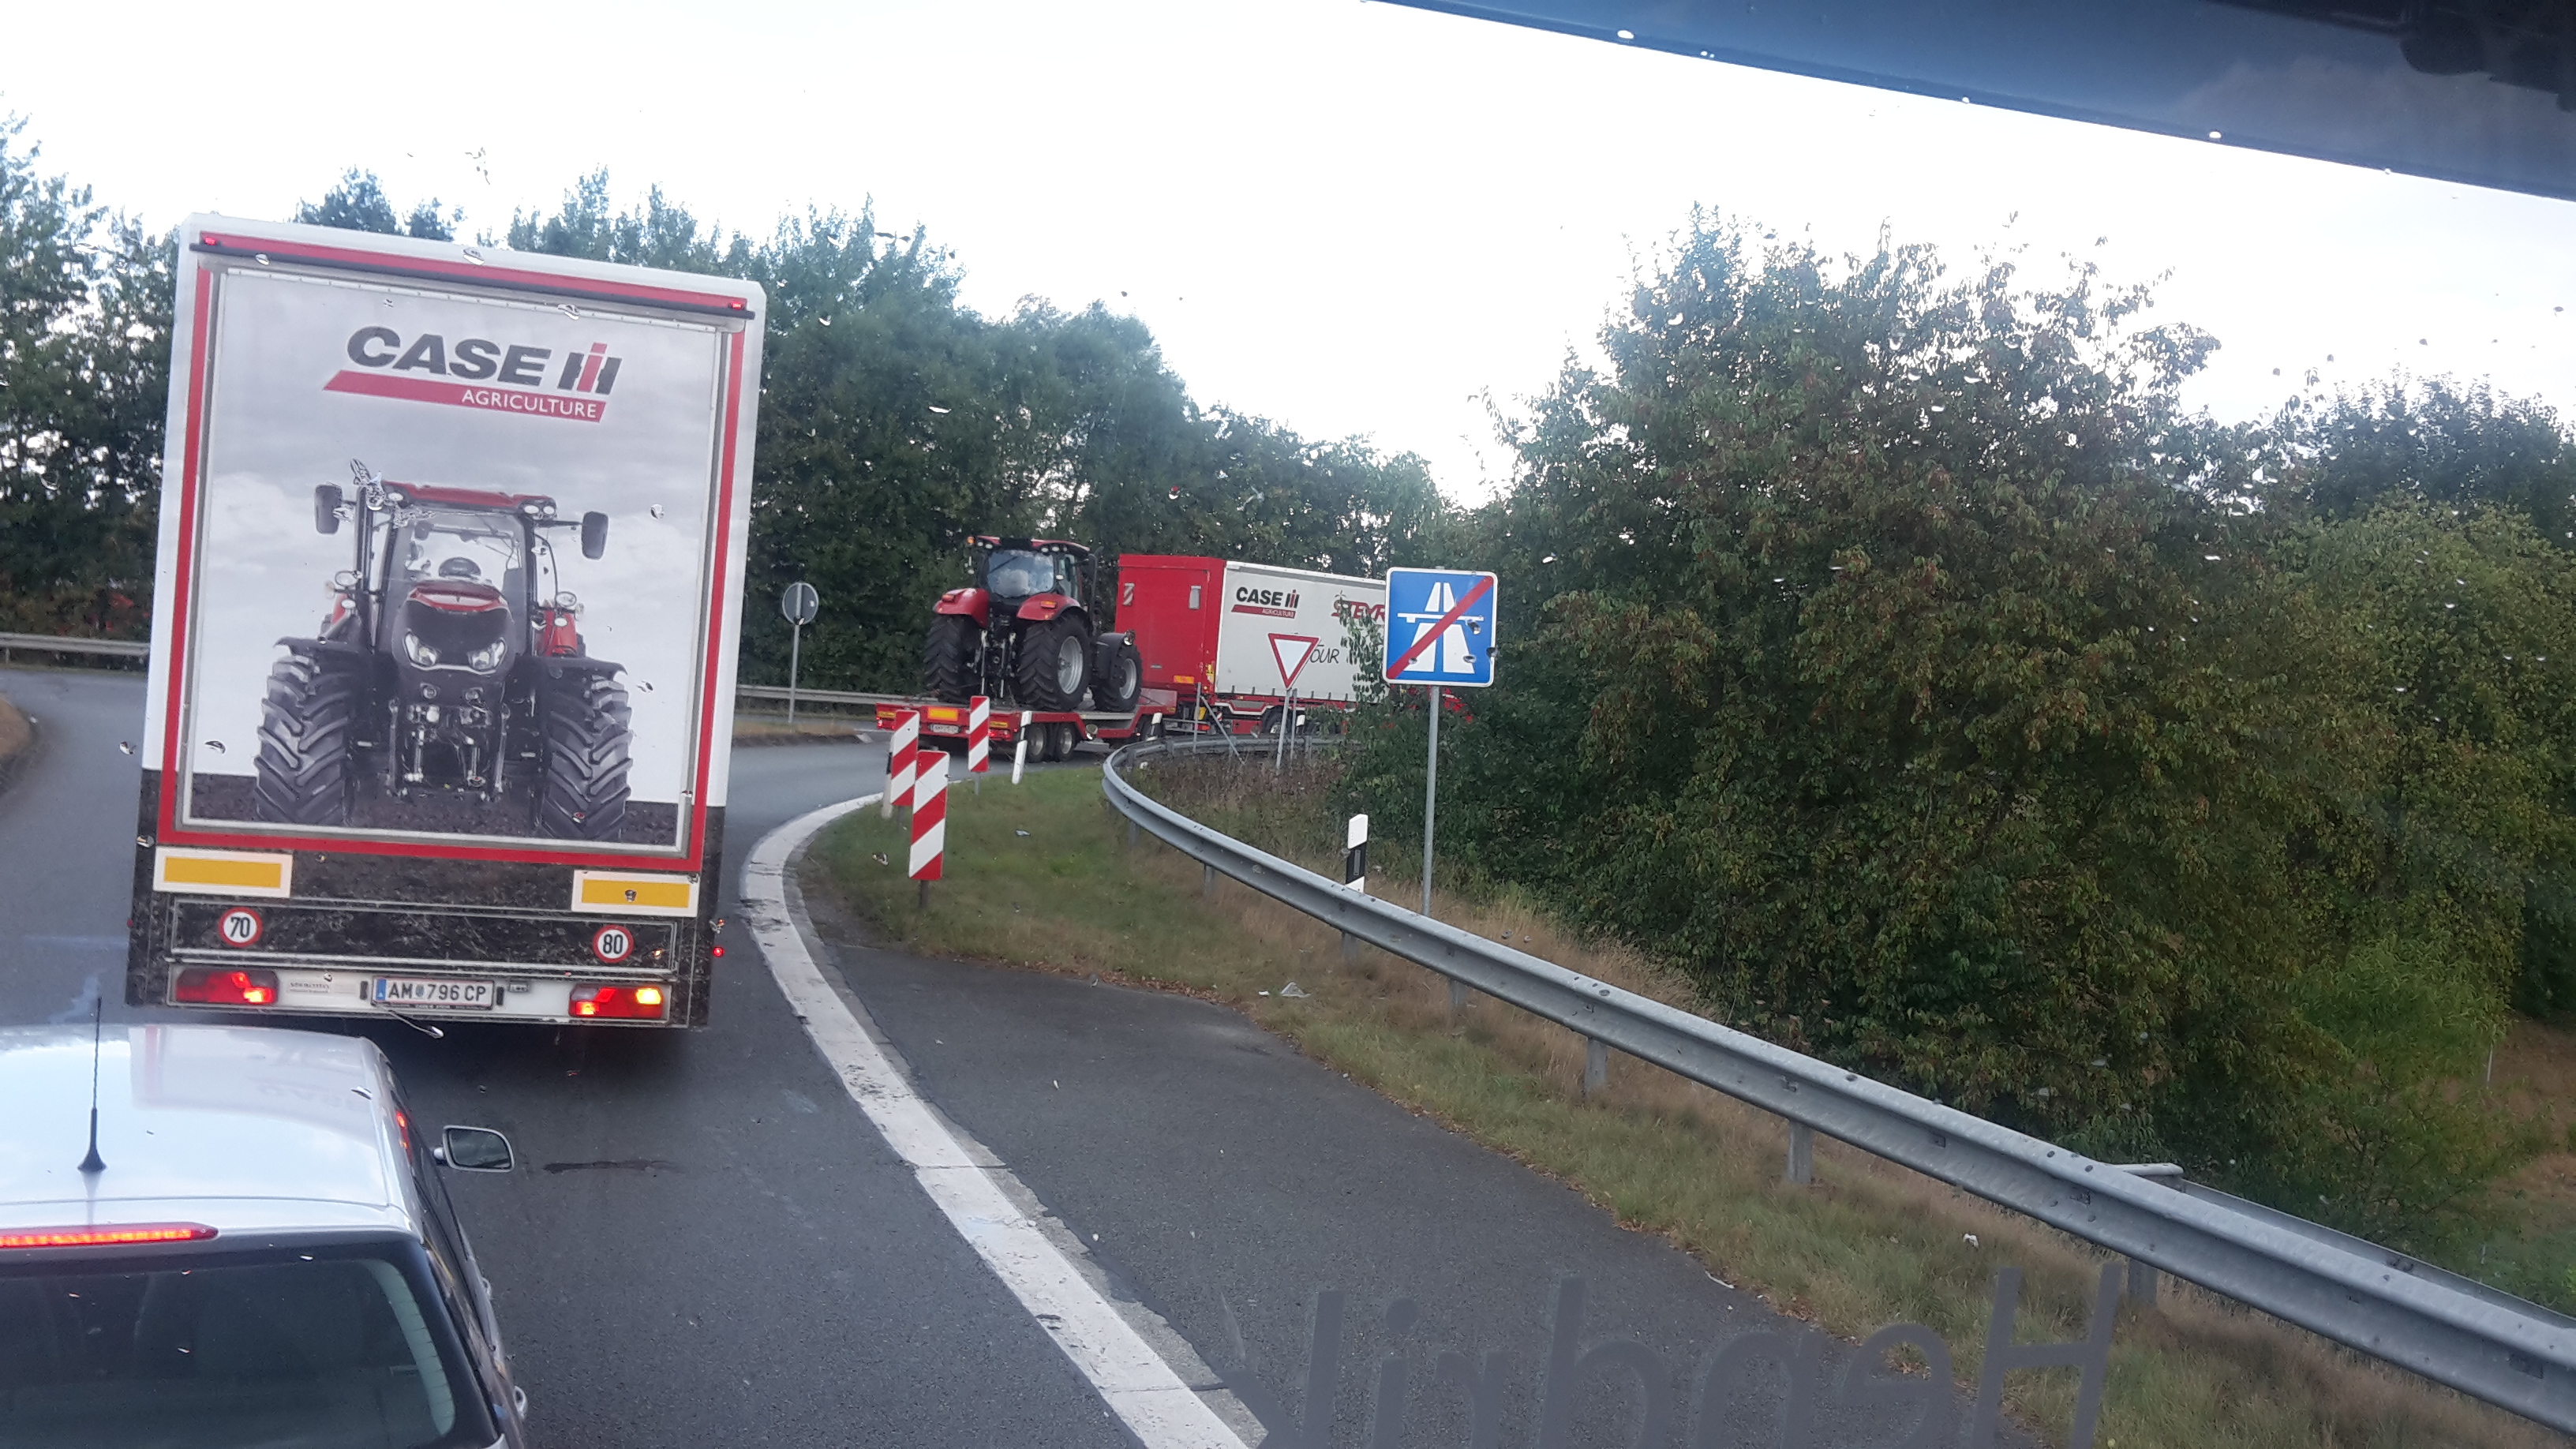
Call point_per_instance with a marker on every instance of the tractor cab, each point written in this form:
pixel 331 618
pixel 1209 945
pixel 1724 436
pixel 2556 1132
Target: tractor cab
pixel 1018 570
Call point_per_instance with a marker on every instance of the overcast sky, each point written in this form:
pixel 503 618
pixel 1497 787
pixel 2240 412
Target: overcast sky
pixel 1351 218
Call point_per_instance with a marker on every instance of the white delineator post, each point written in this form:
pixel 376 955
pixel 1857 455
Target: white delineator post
pixel 1355 874
pixel 929 819
pixel 903 749
pixel 979 739
pixel 1020 750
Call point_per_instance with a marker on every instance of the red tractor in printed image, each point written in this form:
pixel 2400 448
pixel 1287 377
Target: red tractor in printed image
pixel 1024 635
pixel 451 672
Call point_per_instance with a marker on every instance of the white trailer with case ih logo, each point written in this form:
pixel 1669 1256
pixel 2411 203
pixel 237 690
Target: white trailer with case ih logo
pixel 443 631
pixel 1230 640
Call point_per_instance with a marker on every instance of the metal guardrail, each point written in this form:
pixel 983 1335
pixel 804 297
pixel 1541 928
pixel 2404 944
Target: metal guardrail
pixel 2487 1344
pixel 65 644
pixel 843 696
pixel 815 696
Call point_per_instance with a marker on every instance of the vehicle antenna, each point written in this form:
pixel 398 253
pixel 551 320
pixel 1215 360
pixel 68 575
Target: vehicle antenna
pixel 97 1023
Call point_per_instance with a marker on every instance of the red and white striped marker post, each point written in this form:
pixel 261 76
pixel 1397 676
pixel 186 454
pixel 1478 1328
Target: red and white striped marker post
pixel 903 750
pixel 979 739
pixel 929 819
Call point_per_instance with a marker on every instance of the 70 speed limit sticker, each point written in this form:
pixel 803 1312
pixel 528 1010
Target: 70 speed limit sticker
pixel 239 926
pixel 613 944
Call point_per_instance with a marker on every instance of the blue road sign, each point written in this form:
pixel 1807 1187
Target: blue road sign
pixel 1439 627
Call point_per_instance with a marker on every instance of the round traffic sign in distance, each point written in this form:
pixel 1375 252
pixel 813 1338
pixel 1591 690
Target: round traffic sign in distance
pixel 239 926
pixel 613 944
pixel 800 603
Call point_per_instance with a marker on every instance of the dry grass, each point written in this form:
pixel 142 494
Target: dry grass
pixel 15 732
pixel 1869 1243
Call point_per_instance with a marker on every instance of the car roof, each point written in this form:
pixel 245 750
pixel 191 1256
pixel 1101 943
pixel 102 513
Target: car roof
pixel 241 1129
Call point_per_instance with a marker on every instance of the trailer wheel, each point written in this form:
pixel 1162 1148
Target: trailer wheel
pixel 948 658
pixel 589 735
pixel 307 728
pixel 1067 736
pixel 1119 678
pixel 1053 665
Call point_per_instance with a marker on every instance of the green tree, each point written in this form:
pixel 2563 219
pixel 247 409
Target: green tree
pixel 358 203
pixel 84 358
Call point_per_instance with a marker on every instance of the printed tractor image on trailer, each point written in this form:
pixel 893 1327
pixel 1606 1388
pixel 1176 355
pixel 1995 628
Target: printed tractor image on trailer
pixel 451 666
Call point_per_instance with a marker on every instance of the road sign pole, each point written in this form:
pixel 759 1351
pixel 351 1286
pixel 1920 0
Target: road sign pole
pixel 1287 722
pixel 795 656
pixel 1430 797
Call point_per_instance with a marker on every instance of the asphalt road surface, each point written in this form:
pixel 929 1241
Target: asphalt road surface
pixel 707 1243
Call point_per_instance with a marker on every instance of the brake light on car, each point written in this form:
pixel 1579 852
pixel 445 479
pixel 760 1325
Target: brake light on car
pixel 618 1002
pixel 205 986
pixel 105 1235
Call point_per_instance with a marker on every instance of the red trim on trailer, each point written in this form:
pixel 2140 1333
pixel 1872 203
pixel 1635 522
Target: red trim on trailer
pixel 489 275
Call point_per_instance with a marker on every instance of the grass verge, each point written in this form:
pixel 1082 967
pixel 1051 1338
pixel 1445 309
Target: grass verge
pixel 1039 876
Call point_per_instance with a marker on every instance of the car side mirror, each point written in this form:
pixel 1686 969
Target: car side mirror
pixel 594 534
pixel 475 1149
pixel 326 508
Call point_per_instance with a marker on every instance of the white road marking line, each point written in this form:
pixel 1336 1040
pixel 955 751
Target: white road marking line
pixel 1134 1381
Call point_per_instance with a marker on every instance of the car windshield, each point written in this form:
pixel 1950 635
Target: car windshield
pixel 335 1347
pixel 447 544
pixel 1016 573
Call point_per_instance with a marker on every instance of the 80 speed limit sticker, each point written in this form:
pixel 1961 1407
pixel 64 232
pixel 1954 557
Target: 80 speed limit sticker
pixel 239 926
pixel 613 944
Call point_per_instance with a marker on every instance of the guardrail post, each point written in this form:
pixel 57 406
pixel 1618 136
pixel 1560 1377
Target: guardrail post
pixel 1802 1154
pixel 1457 996
pixel 1132 832
pixel 1207 881
pixel 1596 1065
pixel 2142 1283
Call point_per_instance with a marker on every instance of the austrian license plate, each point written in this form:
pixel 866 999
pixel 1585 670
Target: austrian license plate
pixel 412 991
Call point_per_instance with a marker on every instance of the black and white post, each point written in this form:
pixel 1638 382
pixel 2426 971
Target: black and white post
pixel 1355 875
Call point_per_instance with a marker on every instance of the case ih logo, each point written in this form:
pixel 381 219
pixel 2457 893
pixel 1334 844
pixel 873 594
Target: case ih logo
pixel 426 369
pixel 1278 603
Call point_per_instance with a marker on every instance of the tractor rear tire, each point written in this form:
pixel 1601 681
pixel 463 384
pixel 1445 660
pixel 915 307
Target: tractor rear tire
pixel 948 658
pixel 1052 667
pixel 308 727
pixel 590 736
pixel 1118 674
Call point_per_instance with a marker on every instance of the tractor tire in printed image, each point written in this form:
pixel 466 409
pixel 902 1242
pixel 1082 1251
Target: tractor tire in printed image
pixel 1054 665
pixel 588 740
pixel 948 664
pixel 308 725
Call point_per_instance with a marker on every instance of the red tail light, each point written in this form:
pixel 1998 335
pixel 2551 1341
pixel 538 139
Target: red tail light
pixel 225 987
pixel 629 1003
pixel 104 1235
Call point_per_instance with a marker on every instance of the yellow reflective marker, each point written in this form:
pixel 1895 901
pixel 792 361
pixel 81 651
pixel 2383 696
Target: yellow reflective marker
pixel 626 893
pixel 222 872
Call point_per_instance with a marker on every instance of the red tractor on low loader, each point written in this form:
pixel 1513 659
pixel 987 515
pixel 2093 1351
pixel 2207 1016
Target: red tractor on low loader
pixel 1201 645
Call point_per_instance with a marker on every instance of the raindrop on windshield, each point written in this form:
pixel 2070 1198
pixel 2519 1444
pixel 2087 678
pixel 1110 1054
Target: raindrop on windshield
pixel 936 408
pixel 125 747
pixel 215 745
pixel 473 256
pixel 1627 35
pixel 657 510
pixel 260 257
pixel 568 309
